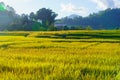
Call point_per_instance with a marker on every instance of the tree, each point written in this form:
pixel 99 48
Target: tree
pixel 66 28
pixel 8 18
pixel 32 16
pixel 73 28
pixel 36 26
pixel 47 16
pixel 106 19
pixel 52 28
pixel 10 9
pixel 79 28
pixel 25 22
pixel 88 28
pixel 43 19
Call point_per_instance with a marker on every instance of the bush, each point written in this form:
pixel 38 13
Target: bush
pixel 88 28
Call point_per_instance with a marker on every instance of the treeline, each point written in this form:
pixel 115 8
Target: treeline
pixel 42 20
pixel 107 19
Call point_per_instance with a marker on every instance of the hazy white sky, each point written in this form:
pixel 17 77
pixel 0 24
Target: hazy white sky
pixel 63 7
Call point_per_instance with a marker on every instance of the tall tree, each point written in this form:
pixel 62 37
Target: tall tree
pixel 25 22
pixel 32 16
pixel 47 16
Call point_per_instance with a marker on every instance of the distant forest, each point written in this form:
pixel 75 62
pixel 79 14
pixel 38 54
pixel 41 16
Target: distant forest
pixel 45 19
pixel 107 19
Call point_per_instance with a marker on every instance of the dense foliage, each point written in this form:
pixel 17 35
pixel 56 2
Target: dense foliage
pixel 43 19
pixel 108 19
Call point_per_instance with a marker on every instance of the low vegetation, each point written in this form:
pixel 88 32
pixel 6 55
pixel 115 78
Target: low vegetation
pixel 60 55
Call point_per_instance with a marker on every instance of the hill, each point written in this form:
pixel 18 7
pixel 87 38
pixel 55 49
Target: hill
pixel 107 19
pixel 9 20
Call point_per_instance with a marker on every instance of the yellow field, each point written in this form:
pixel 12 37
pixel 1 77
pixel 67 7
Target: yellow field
pixel 62 55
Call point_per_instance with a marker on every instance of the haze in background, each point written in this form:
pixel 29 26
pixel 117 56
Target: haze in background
pixel 63 7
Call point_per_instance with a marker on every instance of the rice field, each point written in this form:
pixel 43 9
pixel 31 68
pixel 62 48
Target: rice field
pixel 60 55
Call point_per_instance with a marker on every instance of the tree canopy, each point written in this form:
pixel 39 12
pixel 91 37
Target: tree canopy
pixel 44 19
pixel 47 16
pixel 107 19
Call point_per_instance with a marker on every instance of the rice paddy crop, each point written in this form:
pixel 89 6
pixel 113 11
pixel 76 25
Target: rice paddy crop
pixel 60 55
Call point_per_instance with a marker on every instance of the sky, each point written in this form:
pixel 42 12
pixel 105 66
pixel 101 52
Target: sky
pixel 63 7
